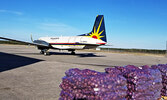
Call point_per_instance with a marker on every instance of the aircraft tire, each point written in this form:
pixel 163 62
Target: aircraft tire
pixel 41 52
pixel 73 53
pixel 46 53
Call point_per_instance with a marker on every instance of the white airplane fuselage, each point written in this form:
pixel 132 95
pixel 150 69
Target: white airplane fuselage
pixel 93 39
pixel 73 42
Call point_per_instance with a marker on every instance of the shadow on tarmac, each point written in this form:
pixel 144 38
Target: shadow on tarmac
pixel 77 54
pixel 10 61
pixel 64 53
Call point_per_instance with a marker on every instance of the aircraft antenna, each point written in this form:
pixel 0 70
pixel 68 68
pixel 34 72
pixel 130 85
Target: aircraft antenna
pixel 31 38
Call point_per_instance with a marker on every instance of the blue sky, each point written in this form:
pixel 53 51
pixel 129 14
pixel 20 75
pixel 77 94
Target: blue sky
pixel 129 23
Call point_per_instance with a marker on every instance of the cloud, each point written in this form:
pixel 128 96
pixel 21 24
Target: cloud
pixel 11 12
pixel 59 28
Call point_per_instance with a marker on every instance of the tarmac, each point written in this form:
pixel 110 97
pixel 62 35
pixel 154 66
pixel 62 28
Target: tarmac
pixel 27 75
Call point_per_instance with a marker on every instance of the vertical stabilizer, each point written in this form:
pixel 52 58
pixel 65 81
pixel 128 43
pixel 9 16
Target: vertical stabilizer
pixel 98 31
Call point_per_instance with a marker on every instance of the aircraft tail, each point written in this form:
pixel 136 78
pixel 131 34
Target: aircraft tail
pixel 98 31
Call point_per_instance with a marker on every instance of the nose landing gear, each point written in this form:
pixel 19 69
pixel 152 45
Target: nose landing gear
pixel 45 52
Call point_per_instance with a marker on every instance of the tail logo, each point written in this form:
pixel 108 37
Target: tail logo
pixel 96 33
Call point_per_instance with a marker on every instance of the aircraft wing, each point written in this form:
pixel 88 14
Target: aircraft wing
pixel 29 43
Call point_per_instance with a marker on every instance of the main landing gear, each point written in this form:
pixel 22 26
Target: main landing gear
pixel 72 52
pixel 45 52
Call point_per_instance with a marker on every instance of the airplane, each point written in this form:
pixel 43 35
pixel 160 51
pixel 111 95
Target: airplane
pixel 93 39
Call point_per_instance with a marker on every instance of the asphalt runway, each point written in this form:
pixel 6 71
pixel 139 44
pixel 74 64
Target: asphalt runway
pixel 27 75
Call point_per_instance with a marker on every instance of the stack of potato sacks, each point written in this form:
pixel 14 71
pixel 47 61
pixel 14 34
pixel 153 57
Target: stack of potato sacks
pixel 91 85
pixel 118 83
pixel 163 70
pixel 143 83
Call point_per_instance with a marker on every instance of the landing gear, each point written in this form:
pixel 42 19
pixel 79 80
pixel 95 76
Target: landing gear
pixel 45 52
pixel 72 52
pixel 41 52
